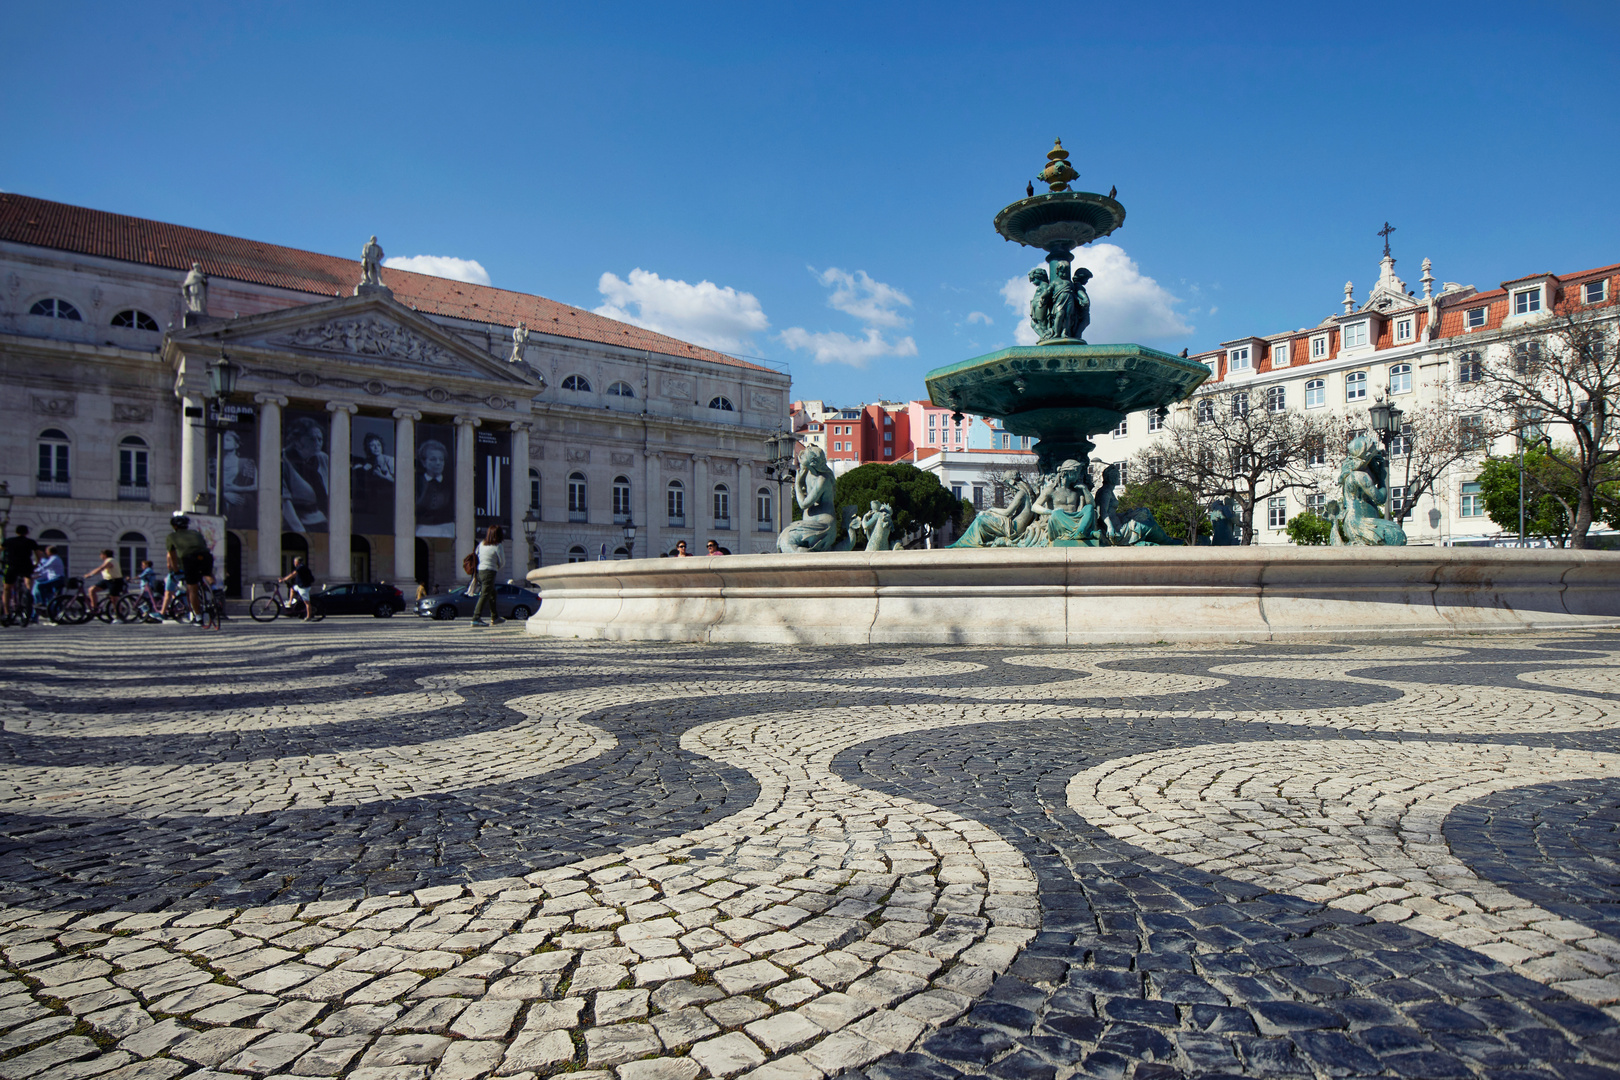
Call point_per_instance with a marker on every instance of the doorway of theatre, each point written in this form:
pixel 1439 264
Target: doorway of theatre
pixel 359 558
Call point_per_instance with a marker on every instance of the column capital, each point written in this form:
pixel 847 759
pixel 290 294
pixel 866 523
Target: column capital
pixel 342 406
pixel 520 425
pixel 407 414
pixel 278 400
pixel 470 421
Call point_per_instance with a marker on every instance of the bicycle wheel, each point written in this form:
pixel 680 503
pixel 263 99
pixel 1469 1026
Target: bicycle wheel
pixel 72 611
pixel 126 609
pixel 105 609
pixel 264 608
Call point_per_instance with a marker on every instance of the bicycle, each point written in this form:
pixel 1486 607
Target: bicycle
pixel 73 608
pixel 268 606
pixel 21 612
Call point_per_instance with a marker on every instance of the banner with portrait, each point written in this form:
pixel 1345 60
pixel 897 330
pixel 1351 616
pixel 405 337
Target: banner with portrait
pixel 436 480
pixel 492 479
pixel 371 474
pixel 239 442
pixel 306 470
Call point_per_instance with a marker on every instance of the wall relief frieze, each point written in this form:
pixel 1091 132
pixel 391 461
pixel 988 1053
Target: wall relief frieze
pixel 132 414
pixel 719 467
pixel 763 401
pixel 579 454
pixel 623 459
pixel 678 389
pixel 676 464
pixel 370 336
pixel 64 408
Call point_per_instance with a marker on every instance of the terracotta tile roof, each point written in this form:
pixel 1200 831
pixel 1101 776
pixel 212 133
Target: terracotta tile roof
pixel 42 223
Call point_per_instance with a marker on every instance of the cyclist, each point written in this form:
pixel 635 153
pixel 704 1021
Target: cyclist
pixel 187 551
pixel 18 553
pixel 151 587
pixel 302 580
pixel 48 577
pixel 111 577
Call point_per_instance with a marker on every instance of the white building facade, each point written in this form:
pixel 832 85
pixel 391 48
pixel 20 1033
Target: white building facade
pixel 375 430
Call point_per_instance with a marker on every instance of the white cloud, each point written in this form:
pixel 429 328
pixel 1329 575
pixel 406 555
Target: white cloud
pixel 836 348
pixel 873 303
pixel 704 314
pixel 445 266
pixel 978 316
pixel 857 294
pixel 1126 305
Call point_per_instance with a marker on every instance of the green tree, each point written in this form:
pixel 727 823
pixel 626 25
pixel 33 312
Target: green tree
pixel 1552 492
pixel 1176 507
pixel 917 497
pixel 1309 529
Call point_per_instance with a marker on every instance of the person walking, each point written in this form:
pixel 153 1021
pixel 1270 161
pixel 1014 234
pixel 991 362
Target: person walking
pixel 489 561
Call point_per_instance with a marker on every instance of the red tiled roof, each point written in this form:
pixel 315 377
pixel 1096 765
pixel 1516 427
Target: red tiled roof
pixel 42 223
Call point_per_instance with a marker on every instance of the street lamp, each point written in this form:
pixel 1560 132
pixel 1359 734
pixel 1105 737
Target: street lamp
pixel 222 377
pixel 222 382
pixel 781 465
pixel 630 536
pixel 1386 420
pixel 531 525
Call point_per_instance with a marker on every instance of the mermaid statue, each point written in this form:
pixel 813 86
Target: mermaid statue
pixel 1364 484
pixel 817 530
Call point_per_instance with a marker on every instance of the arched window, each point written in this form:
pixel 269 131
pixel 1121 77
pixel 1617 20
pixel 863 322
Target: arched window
pixel 53 463
pixel 577 554
pixel 1355 386
pixel 131 551
pixel 1400 379
pixel 55 309
pixel 57 539
pixel 134 319
pixel 764 509
pixel 1206 411
pixel 621 499
pixel 132 469
pixel 534 488
pixel 723 404
pixel 621 389
pixel 620 553
pixel 577 382
pixel 722 506
pixel 1315 393
pixel 577 505
pixel 1277 399
pixel 677 504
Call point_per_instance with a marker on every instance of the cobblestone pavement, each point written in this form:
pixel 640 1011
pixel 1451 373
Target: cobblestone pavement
pixel 398 851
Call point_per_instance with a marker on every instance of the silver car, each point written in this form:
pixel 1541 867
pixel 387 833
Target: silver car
pixel 511 602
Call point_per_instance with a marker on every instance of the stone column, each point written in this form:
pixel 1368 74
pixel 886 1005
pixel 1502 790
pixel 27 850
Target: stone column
pixel 518 564
pixel 339 509
pixel 269 524
pixel 193 450
pixel 466 446
pixel 405 497
pixel 745 513
pixel 701 512
pixel 653 512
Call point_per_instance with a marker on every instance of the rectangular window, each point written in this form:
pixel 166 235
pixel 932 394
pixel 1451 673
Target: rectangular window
pixel 722 506
pixel 1473 502
pixel 931 418
pixel 1476 317
pixel 1472 431
pixel 1470 368
pixel 1595 292
pixel 1397 499
pixel 576 499
pixel 1121 429
pixel 1238 359
pixel 1277 399
pixel 1316 503
pixel 1355 335
pixel 888 451
pixel 1319 346
pixel 621 501
pixel 1400 444
pixel 1155 420
pixel 677 505
pixel 1316 451
pixel 1240 404
pixel 931 440
pixel 958 436
pixel 978 496
pixel 956 492
pixel 1277 512
pixel 1400 379
pixel 1124 468
pixel 131 468
pixel 1315 393
pixel 1527 301
pixel 1404 329
pixel 1279 354
pixel 1206 411
pixel 762 510
pixel 1355 386
pixel 888 436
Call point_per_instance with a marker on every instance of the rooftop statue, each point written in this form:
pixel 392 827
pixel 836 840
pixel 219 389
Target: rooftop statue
pixel 371 257
pixel 195 291
pixel 817 530
pixel 1364 485
pixel 520 338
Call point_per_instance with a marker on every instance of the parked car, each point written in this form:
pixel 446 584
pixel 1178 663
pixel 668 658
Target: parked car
pixel 381 601
pixel 511 602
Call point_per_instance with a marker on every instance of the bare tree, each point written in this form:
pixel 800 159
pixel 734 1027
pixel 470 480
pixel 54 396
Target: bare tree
pixel 1229 446
pixel 1571 379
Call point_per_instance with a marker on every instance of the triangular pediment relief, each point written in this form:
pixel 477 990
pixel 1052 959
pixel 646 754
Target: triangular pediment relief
pixel 375 332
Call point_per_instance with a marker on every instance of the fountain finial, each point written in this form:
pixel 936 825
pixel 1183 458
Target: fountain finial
pixel 1058 171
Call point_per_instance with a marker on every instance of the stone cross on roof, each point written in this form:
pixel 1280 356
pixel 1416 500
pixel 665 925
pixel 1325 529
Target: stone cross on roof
pixel 1384 232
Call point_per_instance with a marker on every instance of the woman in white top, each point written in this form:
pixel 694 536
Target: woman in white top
pixel 489 561
pixel 111 577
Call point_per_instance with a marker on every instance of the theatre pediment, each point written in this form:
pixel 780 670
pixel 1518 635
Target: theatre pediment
pixel 374 332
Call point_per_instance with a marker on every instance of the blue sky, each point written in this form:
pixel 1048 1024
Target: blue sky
pixel 815 183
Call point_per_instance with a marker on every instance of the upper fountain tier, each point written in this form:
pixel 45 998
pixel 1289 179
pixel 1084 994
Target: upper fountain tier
pixel 1060 220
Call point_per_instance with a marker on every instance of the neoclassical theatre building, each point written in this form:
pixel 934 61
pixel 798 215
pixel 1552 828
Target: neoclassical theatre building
pixel 379 419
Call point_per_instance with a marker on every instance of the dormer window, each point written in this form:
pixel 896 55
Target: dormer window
pixel 1237 359
pixel 1475 317
pixel 1527 301
pixel 1405 329
pixel 1595 292
pixel 1279 354
pixel 1355 335
pixel 1319 346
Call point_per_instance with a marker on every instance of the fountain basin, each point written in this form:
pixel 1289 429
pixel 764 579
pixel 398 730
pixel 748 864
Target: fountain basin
pixel 1073 596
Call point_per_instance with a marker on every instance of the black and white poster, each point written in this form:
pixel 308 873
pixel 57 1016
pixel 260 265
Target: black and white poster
pixel 435 480
pixel 306 470
pixel 492 477
pixel 238 443
pixel 371 474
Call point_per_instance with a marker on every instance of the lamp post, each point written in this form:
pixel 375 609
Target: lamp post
pixel 781 465
pixel 222 384
pixel 531 525
pixel 1386 420
pixel 630 536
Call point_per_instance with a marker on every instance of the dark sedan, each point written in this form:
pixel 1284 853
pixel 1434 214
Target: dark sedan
pixel 381 601
pixel 511 602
